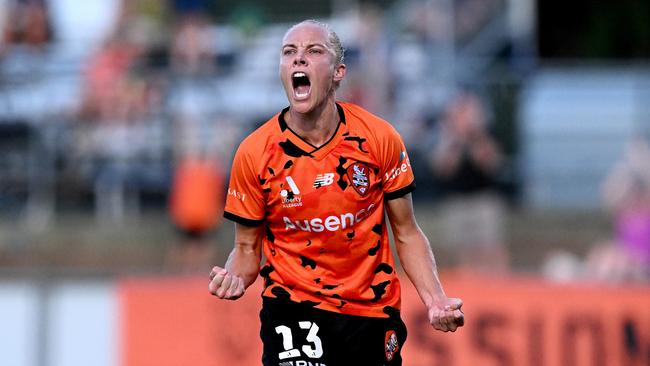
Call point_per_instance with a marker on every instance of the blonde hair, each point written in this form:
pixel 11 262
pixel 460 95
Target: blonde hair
pixel 333 40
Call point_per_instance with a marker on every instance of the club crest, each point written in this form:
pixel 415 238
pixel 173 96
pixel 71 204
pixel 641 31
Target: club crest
pixel 392 345
pixel 359 177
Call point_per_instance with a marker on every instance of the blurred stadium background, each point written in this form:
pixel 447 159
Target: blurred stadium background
pixel 103 101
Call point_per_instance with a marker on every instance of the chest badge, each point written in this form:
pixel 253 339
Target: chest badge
pixel 359 177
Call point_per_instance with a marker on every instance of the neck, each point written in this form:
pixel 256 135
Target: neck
pixel 317 126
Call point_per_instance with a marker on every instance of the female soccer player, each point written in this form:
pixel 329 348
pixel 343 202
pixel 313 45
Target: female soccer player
pixel 310 188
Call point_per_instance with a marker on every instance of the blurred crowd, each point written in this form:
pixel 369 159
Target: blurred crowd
pixel 159 102
pixel 624 257
pixel 165 78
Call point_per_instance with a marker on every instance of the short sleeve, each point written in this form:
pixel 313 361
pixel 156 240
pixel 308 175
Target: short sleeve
pixel 245 199
pixel 396 172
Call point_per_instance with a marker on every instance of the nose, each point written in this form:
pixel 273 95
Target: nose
pixel 300 59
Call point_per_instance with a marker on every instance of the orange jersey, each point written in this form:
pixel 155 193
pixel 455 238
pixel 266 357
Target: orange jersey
pixel 326 241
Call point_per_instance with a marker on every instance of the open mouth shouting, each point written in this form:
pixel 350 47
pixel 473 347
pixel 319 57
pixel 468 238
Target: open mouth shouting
pixel 301 85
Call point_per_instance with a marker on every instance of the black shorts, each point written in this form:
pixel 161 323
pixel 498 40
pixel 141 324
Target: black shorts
pixel 299 335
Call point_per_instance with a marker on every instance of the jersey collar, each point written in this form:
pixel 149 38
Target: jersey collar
pixel 305 147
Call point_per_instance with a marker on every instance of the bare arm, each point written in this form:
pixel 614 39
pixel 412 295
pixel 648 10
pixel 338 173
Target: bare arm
pixel 242 266
pixel 417 259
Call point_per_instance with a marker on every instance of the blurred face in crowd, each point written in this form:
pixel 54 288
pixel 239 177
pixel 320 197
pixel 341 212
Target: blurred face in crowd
pixel 309 68
pixel 466 116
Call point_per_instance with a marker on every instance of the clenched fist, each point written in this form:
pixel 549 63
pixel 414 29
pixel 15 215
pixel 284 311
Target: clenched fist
pixel 446 315
pixel 225 285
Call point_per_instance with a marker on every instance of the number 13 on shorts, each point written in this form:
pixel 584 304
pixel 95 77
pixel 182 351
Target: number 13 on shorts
pixel 314 348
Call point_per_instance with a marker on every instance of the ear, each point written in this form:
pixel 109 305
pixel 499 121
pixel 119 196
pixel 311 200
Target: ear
pixel 339 72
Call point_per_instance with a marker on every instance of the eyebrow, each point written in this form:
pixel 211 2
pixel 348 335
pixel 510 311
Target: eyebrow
pixel 311 45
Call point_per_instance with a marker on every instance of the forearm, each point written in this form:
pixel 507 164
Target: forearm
pixel 417 260
pixel 419 263
pixel 244 261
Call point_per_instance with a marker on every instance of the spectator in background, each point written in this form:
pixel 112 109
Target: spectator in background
pixel 196 208
pixel 192 44
pixel 466 161
pixel 108 91
pixel 626 193
pixel 120 96
pixel 119 86
pixel 202 143
pixel 197 192
pixel 26 22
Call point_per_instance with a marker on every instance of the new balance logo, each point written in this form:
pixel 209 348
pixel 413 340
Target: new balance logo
pixel 323 180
